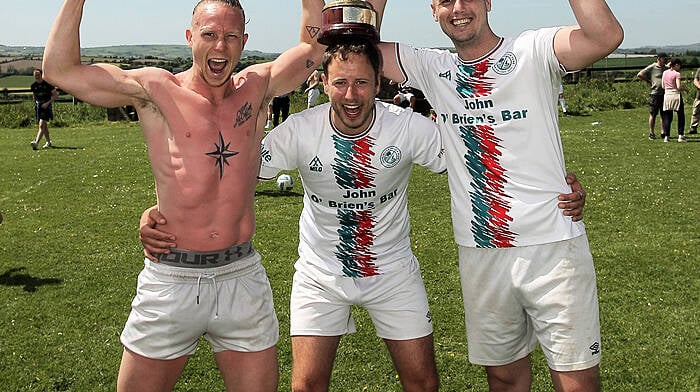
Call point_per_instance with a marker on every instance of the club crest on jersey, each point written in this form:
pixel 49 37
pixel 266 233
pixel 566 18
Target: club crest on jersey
pixel 390 157
pixel 505 64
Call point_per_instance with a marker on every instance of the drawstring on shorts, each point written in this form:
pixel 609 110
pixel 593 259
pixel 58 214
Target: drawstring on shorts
pixel 211 277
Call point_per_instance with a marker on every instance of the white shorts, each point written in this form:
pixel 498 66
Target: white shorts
pixel 515 297
pixel 396 302
pixel 231 306
pixel 312 97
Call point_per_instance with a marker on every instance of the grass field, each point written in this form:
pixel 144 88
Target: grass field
pixel 17 81
pixel 69 257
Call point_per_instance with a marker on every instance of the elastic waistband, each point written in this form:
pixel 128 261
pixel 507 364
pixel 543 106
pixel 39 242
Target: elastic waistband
pixel 210 259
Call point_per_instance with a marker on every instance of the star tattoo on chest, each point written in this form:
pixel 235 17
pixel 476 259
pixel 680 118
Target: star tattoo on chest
pixel 221 154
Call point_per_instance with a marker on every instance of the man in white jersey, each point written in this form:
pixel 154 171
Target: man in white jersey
pixel 355 156
pixel 203 129
pixel 526 270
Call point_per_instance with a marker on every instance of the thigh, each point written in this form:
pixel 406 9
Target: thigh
pixel 312 361
pixel 165 321
pixel 397 302
pixel 249 371
pixel 138 373
pixel 414 360
pixel 246 319
pixel 655 103
pixel 562 301
pixel 587 380
pixel 316 309
pixel 498 331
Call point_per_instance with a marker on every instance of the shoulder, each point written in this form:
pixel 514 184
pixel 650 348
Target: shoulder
pixel 545 33
pixel 155 75
pixel 390 114
pixel 423 52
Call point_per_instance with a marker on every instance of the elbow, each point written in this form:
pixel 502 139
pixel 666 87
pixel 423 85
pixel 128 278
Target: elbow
pixel 618 36
pixel 49 71
pixel 614 35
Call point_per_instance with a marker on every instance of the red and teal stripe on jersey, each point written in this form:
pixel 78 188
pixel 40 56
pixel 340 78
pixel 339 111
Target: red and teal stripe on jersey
pixel 356 235
pixel 353 163
pixel 490 205
pixel 471 80
pixel 353 169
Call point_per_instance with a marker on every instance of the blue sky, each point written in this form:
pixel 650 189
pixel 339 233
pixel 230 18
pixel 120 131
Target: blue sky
pixel 273 24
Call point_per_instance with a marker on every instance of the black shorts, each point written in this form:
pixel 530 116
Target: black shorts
pixel 41 113
pixel 656 102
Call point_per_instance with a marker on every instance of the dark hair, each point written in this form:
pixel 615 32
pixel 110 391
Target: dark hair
pixel 230 3
pixel 676 61
pixel 662 55
pixel 340 50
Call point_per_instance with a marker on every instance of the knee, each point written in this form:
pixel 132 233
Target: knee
pixel 508 378
pixel 308 384
pixel 427 382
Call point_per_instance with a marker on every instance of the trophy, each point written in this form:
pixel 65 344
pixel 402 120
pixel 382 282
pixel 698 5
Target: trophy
pixel 348 19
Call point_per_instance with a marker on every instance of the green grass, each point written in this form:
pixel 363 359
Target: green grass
pixel 69 257
pixel 16 81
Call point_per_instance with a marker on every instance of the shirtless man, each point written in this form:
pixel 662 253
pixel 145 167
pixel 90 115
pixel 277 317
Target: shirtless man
pixel 203 128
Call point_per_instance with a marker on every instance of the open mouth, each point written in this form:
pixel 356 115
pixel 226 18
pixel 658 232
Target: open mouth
pixel 217 66
pixel 352 110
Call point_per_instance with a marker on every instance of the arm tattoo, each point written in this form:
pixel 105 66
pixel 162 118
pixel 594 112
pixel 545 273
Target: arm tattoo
pixel 310 64
pixel 313 31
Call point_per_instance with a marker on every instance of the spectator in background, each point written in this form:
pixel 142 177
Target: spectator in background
pixel 312 90
pixel 562 100
pixel 405 98
pixel 652 75
pixel 44 95
pixel 696 105
pixel 673 100
pixel 268 124
pixel 280 108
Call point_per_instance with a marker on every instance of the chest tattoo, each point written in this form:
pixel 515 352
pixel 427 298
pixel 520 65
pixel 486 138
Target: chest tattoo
pixel 221 154
pixel 244 114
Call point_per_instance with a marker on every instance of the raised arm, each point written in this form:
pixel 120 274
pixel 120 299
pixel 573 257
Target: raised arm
pixel 597 34
pixel 99 84
pixel 390 67
pixel 292 67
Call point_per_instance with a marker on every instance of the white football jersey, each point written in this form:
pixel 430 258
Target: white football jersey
pixel 498 119
pixel 355 219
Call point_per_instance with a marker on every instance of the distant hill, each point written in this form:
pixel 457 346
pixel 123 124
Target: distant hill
pixel 676 49
pixel 137 51
pixel 170 52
